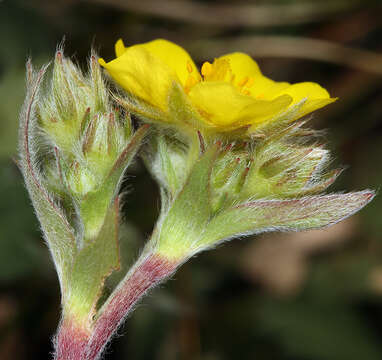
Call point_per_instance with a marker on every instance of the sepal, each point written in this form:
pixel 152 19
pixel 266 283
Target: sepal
pixel 169 159
pixel 190 210
pixel 58 232
pixel 313 212
pixel 93 204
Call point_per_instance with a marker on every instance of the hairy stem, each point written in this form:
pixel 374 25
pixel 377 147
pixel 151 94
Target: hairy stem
pixel 75 342
pixel 71 340
pixel 148 272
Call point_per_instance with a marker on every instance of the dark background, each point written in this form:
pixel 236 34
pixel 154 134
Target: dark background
pixel 307 296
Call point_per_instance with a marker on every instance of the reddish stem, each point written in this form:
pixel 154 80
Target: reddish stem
pixel 71 340
pixel 151 271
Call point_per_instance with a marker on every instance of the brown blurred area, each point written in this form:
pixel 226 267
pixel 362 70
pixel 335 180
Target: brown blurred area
pixel 285 296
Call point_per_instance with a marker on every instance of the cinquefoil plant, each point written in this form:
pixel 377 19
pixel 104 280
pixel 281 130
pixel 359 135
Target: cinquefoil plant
pixel 227 149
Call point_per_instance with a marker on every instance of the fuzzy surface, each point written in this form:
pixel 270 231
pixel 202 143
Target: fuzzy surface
pixel 75 343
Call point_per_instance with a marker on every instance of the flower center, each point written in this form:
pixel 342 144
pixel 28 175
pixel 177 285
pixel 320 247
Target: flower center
pixel 219 70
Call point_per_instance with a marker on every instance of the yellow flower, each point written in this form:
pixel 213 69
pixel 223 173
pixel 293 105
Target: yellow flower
pixel 228 94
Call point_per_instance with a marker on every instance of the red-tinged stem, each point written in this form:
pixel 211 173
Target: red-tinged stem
pixel 71 340
pixel 152 270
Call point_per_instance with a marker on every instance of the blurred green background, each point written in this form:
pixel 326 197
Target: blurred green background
pixel 306 296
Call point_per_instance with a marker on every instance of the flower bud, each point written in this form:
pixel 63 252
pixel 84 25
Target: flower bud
pixel 245 187
pixel 74 148
pixel 90 137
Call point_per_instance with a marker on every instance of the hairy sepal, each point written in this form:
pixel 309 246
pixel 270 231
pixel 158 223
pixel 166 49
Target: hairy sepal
pixel 307 213
pixel 190 210
pixel 166 157
pixel 94 205
pixel 58 233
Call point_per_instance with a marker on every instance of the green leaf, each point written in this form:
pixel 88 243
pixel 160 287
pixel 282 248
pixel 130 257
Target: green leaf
pixel 93 264
pixel 58 233
pixel 288 215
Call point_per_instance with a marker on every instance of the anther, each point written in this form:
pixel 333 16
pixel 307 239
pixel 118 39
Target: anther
pixel 206 69
pixel 189 67
pixel 250 82
pixel 243 81
pixel 190 82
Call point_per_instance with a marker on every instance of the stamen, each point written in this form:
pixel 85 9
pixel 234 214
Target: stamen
pixel 206 68
pixel 250 82
pixel 190 82
pixel 246 92
pixel 243 81
pixel 189 67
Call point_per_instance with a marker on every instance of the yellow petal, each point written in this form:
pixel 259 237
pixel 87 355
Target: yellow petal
pixel 119 47
pixel 312 105
pixel 244 67
pixel 143 75
pixel 267 89
pixel 222 105
pixel 303 90
pixel 173 56
pixel 317 97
